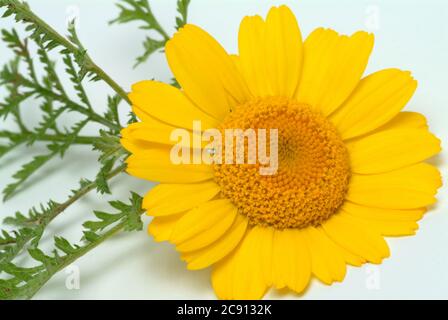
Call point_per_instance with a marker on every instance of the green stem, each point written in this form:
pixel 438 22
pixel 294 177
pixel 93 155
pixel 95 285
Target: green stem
pixel 82 192
pixel 89 140
pixel 56 211
pixel 105 77
pixel 71 104
pixel 69 259
pixel 28 15
pixel 19 120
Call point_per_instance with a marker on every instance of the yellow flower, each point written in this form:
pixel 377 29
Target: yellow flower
pixel 351 163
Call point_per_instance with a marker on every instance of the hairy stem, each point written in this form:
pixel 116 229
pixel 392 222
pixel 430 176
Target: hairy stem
pixel 69 259
pixel 38 90
pixel 56 211
pixel 88 140
pixel 29 16
pixel 82 192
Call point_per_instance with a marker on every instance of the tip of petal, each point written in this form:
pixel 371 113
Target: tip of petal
pixel 141 86
pixel 252 19
pixel 282 9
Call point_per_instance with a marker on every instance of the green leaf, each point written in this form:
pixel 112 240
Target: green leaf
pixel 90 236
pixel 174 83
pixel 24 173
pixel 182 9
pixel 101 178
pixel 137 11
pixel 140 11
pixel 150 46
pixel 20 83
pixel 31 167
pixel 49 39
pixel 25 282
pixel 133 220
pixel 65 246
pixel 49 120
pixel 35 217
pixel 112 109
pixel 132 118
pixel 39 255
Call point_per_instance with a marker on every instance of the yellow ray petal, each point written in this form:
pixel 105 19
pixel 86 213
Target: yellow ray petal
pixel 141 114
pixel 252 44
pixel 284 51
pixel 333 66
pixel 166 199
pixel 291 262
pixel 168 104
pixel 134 145
pixel 388 222
pixel 205 71
pixel 209 255
pixel 356 238
pixel 204 224
pixel 156 165
pixel 237 62
pixel 382 214
pixel 391 149
pixel 266 241
pixel 377 99
pixel 349 257
pixel 145 116
pixel 406 120
pixel 408 188
pixel 240 275
pixel 327 262
pixel 150 135
pixel 161 228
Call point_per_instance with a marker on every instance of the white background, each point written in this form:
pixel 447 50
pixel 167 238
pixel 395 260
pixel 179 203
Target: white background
pixel 411 35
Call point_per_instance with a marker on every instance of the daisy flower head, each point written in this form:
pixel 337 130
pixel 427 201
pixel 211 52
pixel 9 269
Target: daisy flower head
pixel 336 164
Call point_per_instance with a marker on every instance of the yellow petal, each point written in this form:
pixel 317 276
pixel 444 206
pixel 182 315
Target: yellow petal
pixel 291 262
pixel 205 71
pixel 209 255
pixel 408 188
pixel 161 228
pixel 148 122
pixel 333 66
pixel 204 224
pixel 168 104
pixel 145 116
pixel 156 165
pixel 284 51
pixel 240 275
pixel 252 44
pixel 148 136
pixel 349 257
pixel 237 62
pixel 356 238
pixel 406 120
pixel 327 262
pixel 266 241
pixel 166 199
pixel 377 99
pixel 387 222
pixel 370 213
pixel 391 149
pixel 134 145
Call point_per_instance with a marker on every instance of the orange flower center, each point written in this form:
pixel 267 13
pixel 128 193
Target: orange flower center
pixel 313 166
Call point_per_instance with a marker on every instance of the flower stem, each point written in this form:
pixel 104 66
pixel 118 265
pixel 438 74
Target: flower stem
pixel 69 259
pixel 88 140
pixel 56 211
pixel 27 15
